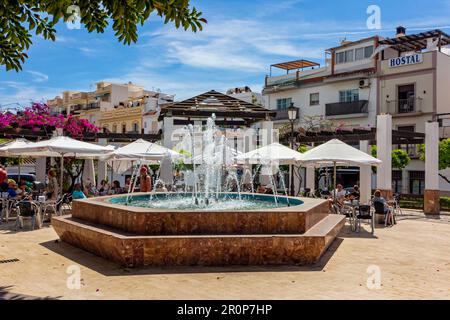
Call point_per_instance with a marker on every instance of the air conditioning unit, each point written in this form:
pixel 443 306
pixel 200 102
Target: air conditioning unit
pixel 364 83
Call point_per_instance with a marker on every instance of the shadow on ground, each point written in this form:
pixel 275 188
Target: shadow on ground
pixel 108 268
pixel 6 294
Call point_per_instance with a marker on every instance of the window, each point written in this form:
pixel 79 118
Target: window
pixel 354 55
pixel 114 128
pixel 411 149
pixel 416 182
pixel 314 99
pixel 124 128
pixel 340 57
pixel 368 51
pixel 359 54
pixel 349 95
pixel 397 183
pixel 135 127
pixel 283 104
pixel 345 56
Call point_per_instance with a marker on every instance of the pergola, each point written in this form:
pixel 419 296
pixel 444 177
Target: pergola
pixel 355 135
pixel 294 65
pixel 229 111
pixel 416 42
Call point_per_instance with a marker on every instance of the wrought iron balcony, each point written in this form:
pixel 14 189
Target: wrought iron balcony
pixel 347 108
pixel 404 106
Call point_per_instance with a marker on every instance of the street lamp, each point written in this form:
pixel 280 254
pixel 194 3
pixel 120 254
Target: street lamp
pixel 292 114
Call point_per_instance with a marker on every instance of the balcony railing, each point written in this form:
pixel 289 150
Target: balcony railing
pixel 404 106
pixel 347 108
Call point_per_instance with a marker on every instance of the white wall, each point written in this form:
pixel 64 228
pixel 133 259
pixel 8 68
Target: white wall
pixel 329 93
pixel 443 83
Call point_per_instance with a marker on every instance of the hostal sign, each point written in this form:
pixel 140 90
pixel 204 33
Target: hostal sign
pixel 406 60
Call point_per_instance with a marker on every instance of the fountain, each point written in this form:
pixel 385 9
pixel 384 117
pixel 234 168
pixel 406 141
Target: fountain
pixel 209 221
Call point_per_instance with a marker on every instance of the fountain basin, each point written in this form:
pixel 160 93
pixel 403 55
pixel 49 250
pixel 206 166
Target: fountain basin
pixel 136 236
pixel 112 212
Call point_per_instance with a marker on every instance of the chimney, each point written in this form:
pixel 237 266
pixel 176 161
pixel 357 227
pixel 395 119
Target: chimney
pixel 401 32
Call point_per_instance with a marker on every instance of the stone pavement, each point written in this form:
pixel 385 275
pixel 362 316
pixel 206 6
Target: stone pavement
pixel 413 257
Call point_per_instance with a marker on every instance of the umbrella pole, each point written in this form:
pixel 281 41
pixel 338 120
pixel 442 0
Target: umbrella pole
pixel 18 172
pixel 62 176
pixel 334 178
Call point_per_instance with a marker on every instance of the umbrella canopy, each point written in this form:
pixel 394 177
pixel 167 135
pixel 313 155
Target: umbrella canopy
pixel 142 150
pixel 336 152
pixel 61 147
pixel 274 152
pixel 5 150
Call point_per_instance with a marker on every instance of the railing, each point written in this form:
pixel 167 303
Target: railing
pixel 404 106
pixel 346 108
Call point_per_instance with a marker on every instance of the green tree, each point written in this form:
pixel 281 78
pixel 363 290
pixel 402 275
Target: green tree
pixel 20 18
pixel 444 156
pixel 400 158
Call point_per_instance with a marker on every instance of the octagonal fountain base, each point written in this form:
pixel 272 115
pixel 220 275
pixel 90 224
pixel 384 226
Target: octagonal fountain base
pixel 135 236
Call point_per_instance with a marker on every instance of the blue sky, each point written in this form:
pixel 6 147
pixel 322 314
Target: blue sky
pixel 236 48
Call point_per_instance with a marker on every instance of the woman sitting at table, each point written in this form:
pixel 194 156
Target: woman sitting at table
pixel 12 189
pixel 103 188
pixel 77 192
pixel 116 188
pixel 388 216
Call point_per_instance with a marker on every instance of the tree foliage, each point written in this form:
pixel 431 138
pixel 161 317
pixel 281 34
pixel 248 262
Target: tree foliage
pixel 444 153
pixel 400 158
pixel 20 18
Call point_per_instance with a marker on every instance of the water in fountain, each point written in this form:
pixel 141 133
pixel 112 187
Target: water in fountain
pixel 212 182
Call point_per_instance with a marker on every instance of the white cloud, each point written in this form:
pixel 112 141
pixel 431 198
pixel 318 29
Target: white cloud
pixel 38 76
pixel 23 93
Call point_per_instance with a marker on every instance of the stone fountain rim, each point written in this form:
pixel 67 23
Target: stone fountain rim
pixel 308 204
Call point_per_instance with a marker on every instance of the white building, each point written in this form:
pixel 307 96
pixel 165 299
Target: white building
pixel 341 92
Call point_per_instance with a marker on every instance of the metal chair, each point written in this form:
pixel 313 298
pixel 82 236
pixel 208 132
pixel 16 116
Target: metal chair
pixel 56 206
pixel 396 205
pixel 26 210
pixel 365 213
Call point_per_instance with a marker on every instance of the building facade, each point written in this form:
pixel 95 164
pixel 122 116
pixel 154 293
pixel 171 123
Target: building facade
pixel 343 92
pixel 113 107
pixel 414 87
pixel 406 76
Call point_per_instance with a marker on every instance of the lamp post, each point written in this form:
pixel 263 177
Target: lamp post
pixel 292 114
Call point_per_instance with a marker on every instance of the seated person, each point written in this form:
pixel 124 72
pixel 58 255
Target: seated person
pixel 354 195
pixel 3 178
pixel 260 189
pixel 339 194
pixel 103 188
pixel 77 192
pixel 388 216
pixel 269 189
pixel 12 189
pixel 116 188
pixel 25 185
pixel 90 190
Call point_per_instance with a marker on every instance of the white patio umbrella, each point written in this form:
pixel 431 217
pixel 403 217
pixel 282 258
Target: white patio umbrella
pixel 62 147
pixel 142 150
pixel 337 153
pixel 5 150
pixel 274 152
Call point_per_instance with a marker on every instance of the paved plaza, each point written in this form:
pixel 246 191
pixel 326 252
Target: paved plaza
pixel 413 257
